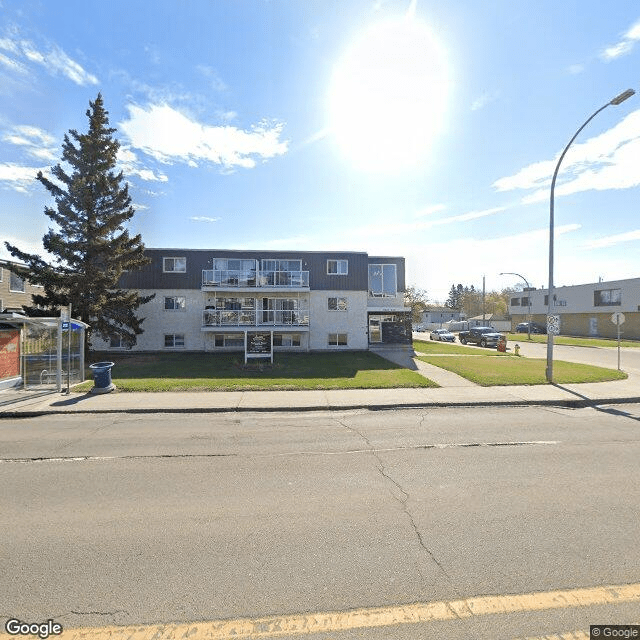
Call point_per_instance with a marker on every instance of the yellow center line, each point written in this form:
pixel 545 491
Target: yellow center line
pixel 335 621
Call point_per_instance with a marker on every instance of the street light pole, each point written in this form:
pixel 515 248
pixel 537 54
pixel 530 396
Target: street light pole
pixel 619 99
pixel 526 282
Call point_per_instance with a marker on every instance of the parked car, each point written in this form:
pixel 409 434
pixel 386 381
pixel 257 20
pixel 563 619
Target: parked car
pixel 419 328
pixel 442 335
pixel 523 327
pixel 484 336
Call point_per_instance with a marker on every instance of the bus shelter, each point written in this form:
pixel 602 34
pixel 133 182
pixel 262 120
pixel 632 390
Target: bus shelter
pixel 50 352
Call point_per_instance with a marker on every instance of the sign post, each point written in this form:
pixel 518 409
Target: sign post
pixel 618 318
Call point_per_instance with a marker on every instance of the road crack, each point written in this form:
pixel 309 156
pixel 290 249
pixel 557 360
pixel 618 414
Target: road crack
pixel 403 500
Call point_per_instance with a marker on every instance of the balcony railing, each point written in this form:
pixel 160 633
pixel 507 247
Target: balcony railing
pixel 236 278
pixel 240 318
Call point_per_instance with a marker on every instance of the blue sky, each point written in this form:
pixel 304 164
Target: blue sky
pixel 415 128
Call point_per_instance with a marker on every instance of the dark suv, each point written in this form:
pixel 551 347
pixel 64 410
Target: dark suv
pixel 523 327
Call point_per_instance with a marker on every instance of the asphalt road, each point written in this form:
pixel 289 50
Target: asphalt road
pixel 153 519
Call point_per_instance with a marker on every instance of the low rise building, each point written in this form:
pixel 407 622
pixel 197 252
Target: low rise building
pixel 15 291
pixel 584 309
pixel 210 300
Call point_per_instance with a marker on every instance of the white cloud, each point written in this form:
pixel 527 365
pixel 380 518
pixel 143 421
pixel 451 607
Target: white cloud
pixel 18 177
pixel 575 69
pixel 34 141
pixel 606 161
pixel 610 241
pixel 13 65
pixel 482 101
pixel 427 211
pixel 203 219
pixel 625 45
pixel 130 165
pixel 168 136
pixel 53 59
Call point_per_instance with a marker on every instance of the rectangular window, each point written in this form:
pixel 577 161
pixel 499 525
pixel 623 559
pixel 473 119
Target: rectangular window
pixel 286 340
pixel 337 339
pixel 229 340
pixel 515 302
pixel 337 304
pixel 382 281
pixel 115 342
pixel 338 267
pixel 607 298
pixel 525 302
pixel 175 303
pixel 16 283
pixel 0 274
pixel 174 340
pixel 174 265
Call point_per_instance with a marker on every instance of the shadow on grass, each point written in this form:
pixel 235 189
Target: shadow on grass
pixel 231 365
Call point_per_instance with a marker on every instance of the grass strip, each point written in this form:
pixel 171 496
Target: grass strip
pixel 488 371
pixel 428 347
pixel 574 342
pixel 226 372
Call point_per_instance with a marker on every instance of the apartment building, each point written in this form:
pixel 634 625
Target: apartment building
pixel 14 290
pixel 210 300
pixel 584 309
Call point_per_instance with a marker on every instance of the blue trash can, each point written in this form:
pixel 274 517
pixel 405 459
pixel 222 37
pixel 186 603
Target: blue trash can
pixel 102 377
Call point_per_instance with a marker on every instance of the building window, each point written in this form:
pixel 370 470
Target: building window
pixel 382 281
pixel 115 342
pixel 607 298
pixel 337 339
pixel 16 283
pixel 525 302
pixel 229 340
pixel 174 265
pixel 337 304
pixel 515 302
pixel 286 340
pixel 174 340
pixel 0 274
pixel 175 303
pixel 338 267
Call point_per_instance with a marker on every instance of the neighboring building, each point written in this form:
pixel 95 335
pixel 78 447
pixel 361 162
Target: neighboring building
pixel 440 315
pixel 14 290
pixel 584 309
pixel 206 300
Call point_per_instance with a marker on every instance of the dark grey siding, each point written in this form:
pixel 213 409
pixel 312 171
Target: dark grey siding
pixel 152 277
pixel 398 261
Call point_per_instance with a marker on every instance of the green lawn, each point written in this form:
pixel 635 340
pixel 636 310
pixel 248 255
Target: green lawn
pixel 576 342
pixel 437 347
pixel 490 371
pixel 226 372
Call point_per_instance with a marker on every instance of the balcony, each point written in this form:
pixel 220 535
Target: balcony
pixel 266 318
pixel 252 279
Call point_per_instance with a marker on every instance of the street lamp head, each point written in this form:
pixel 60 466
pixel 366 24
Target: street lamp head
pixel 622 97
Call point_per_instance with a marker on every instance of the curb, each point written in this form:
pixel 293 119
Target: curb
pixel 566 404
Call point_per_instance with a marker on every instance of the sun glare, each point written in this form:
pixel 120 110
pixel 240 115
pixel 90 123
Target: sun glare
pixel 388 95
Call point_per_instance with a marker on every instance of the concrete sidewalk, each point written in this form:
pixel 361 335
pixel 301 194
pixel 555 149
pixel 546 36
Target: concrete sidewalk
pixel 577 395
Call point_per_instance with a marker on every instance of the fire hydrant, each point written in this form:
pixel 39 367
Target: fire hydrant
pixel 516 349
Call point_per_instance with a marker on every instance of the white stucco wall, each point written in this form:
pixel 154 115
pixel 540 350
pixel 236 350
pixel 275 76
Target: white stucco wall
pixel 353 322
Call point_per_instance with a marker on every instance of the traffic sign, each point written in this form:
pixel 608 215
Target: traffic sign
pixel 553 325
pixel 617 317
pixel 65 325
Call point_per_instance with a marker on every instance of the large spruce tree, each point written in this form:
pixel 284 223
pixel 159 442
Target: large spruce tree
pixel 90 242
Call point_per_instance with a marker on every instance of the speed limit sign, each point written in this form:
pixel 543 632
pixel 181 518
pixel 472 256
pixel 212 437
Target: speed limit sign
pixel 553 325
